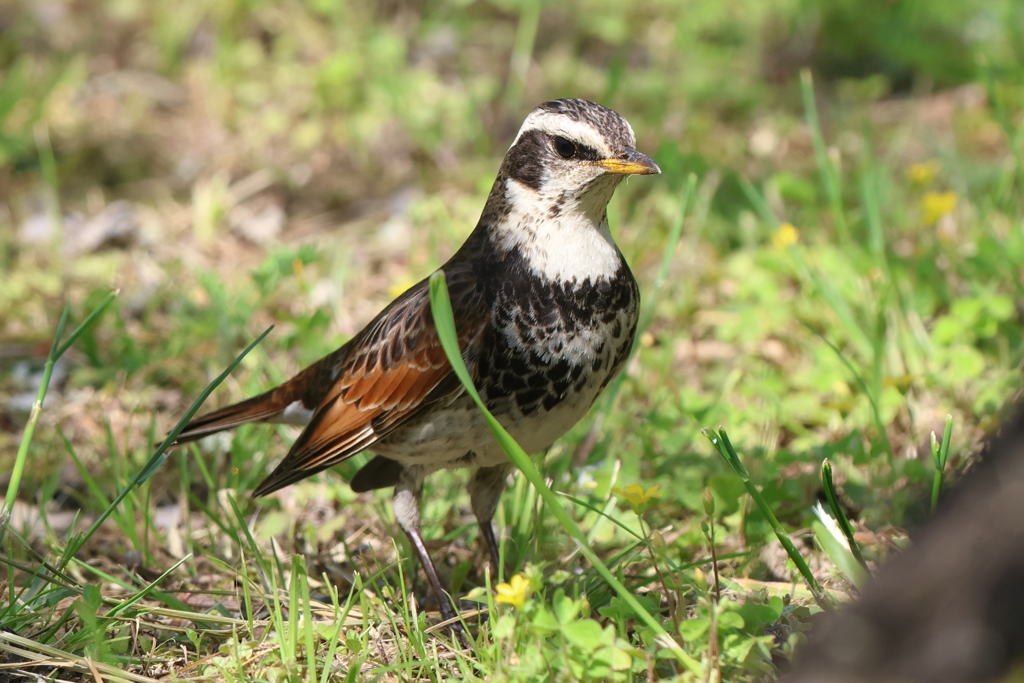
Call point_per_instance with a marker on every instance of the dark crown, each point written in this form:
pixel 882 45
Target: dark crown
pixel 615 129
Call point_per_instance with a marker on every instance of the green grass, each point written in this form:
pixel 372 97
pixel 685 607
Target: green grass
pixel 829 267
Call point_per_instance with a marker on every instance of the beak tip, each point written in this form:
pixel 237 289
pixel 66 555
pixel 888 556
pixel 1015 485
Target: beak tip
pixel 649 166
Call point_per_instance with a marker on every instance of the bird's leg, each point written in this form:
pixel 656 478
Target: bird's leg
pixel 406 503
pixel 485 489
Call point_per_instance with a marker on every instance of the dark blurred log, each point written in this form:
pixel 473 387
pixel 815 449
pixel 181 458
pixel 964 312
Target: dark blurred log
pixel 951 608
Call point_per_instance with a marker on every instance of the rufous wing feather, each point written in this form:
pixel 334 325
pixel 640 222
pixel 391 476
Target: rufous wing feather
pixel 396 370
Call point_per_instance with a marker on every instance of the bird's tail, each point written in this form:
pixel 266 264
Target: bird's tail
pixel 262 408
pixel 292 402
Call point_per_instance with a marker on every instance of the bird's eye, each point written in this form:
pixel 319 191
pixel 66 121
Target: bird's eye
pixel 565 148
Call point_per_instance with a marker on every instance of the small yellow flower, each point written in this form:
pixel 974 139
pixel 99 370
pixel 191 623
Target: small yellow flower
pixel 785 236
pixel 515 592
pixel 637 497
pixel 901 383
pixel 400 287
pixel 935 205
pixel 923 173
pixel 299 270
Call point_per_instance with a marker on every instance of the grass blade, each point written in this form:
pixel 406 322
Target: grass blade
pixel 148 589
pixel 444 319
pixel 837 551
pixel 56 351
pixel 940 453
pixel 160 455
pixel 879 425
pixel 720 441
pixel 837 512
pixel 829 173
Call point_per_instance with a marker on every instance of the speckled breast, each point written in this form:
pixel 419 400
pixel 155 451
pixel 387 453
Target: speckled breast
pixel 556 347
pixel 550 351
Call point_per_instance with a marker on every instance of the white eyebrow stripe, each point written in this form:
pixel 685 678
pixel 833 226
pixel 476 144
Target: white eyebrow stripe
pixel 560 124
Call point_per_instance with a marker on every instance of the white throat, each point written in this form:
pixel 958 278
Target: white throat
pixel 570 243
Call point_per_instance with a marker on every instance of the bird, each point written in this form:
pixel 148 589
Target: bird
pixel 546 311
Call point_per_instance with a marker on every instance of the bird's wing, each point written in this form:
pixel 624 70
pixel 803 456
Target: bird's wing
pixel 394 370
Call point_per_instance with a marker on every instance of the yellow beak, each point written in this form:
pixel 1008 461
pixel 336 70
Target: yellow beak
pixel 630 163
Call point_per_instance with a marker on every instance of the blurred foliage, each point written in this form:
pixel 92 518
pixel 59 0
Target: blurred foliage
pixel 912 42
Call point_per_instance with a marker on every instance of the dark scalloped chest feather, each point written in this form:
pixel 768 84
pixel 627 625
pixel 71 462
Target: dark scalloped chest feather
pixel 551 339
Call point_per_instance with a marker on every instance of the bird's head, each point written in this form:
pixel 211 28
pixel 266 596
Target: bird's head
pixel 570 155
pixel 549 204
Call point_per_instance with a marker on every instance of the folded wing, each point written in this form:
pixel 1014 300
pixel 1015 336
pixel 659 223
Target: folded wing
pixel 392 371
